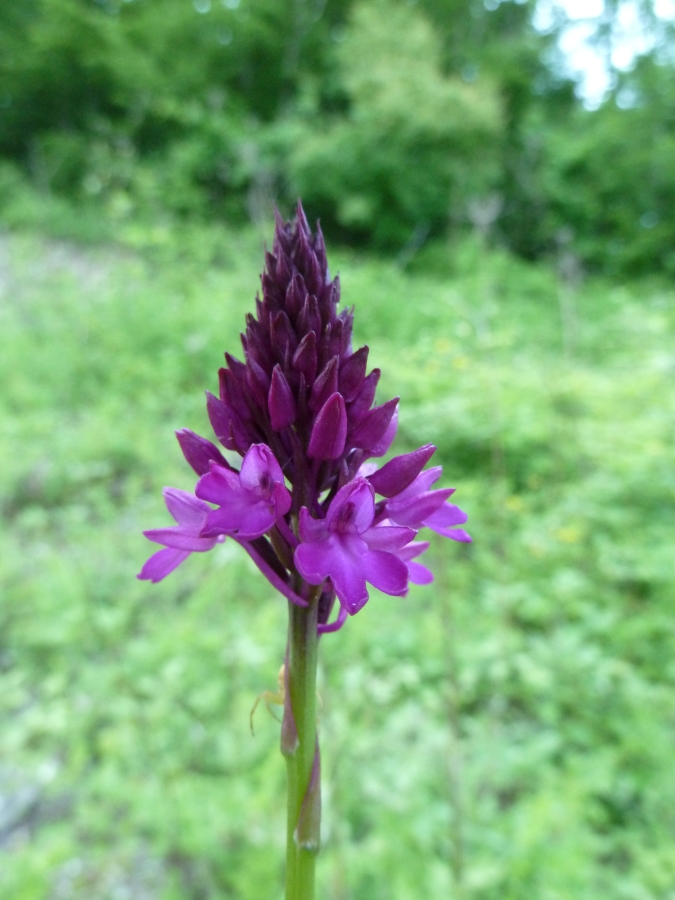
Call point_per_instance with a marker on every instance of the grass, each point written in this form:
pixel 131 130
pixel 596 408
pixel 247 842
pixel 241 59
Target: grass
pixel 505 733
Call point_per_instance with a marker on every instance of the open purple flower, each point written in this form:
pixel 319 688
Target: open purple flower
pixel 249 501
pixel 348 549
pixel 417 506
pixel 179 540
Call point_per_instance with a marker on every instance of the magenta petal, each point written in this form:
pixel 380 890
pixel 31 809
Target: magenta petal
pixel 391 538
pixel 281 497
pixel 418 509
pixel 219 486
pixel 457 534
pixel 185 507
pixel 180 537
pixel 225 519
pixel 256 519
pixel 309 529
pixel 341 558
pixel 419 574
pixel 417 548
pixel 446 515
pixel 162 564
pixel 360 494
pixel 421 483
pixel 386 572
pixel 259 461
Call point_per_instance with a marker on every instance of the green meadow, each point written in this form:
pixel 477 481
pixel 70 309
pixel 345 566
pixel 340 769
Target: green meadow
pixel 506 733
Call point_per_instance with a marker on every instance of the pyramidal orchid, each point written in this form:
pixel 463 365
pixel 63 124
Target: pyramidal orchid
pixel 318 517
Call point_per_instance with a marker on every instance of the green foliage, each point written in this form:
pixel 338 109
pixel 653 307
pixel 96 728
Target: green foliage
pixel 410 147
pixel 506 732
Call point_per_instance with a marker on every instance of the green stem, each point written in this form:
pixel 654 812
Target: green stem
pixel 299 744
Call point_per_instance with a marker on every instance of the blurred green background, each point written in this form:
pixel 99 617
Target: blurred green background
pixel 507 236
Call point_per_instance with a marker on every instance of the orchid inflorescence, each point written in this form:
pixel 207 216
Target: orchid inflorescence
pixel 299 410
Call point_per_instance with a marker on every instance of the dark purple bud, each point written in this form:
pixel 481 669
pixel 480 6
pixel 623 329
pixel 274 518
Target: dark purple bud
pixel 226 424
pixel 281 403
pixel 313 273
pixel 330 430
pixel 284 339
pixel 304 358
pixel 258 382
pixel 257 343
pixel 283 271
pixel 373 426
pixel 310 318
pixel 365 397
pixel 346 319
pixel 233 391
pixel 328 299
pixel 296 296
pixel 199 452
pixel 401 471
pixel 303 225
pixel 334 342
pixel 236 367
pixel 319 247
pixel 325 385
pixel 352 373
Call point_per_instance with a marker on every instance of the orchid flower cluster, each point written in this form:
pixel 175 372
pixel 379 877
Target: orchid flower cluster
pixel 307 502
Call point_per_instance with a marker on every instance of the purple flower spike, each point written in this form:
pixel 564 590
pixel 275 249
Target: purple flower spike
pixel 300 409
pixel 346 548
pixel 249 501
pixel 179 540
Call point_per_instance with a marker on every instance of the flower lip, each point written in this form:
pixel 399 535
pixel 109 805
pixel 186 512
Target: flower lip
pixel 248 501
pixel 352 509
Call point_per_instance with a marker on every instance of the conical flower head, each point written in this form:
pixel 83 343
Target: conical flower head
pixel 300 388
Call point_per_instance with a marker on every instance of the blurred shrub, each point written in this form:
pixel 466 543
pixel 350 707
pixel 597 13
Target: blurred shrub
pixel 413 143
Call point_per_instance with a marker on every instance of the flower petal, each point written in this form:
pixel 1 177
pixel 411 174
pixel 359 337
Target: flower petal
pixel 419 574
pixel 391 538
pixel 180 537
pixel 219 486
pixel 162 564
pixel 310 529
pixel 259 461
pixel 446 515
pixel 342 558
pixel 457 534
pixel 421 483
pixel 256 519
pixel 386 572
pixel 185 507
pixel 361 495
pixel 416 510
